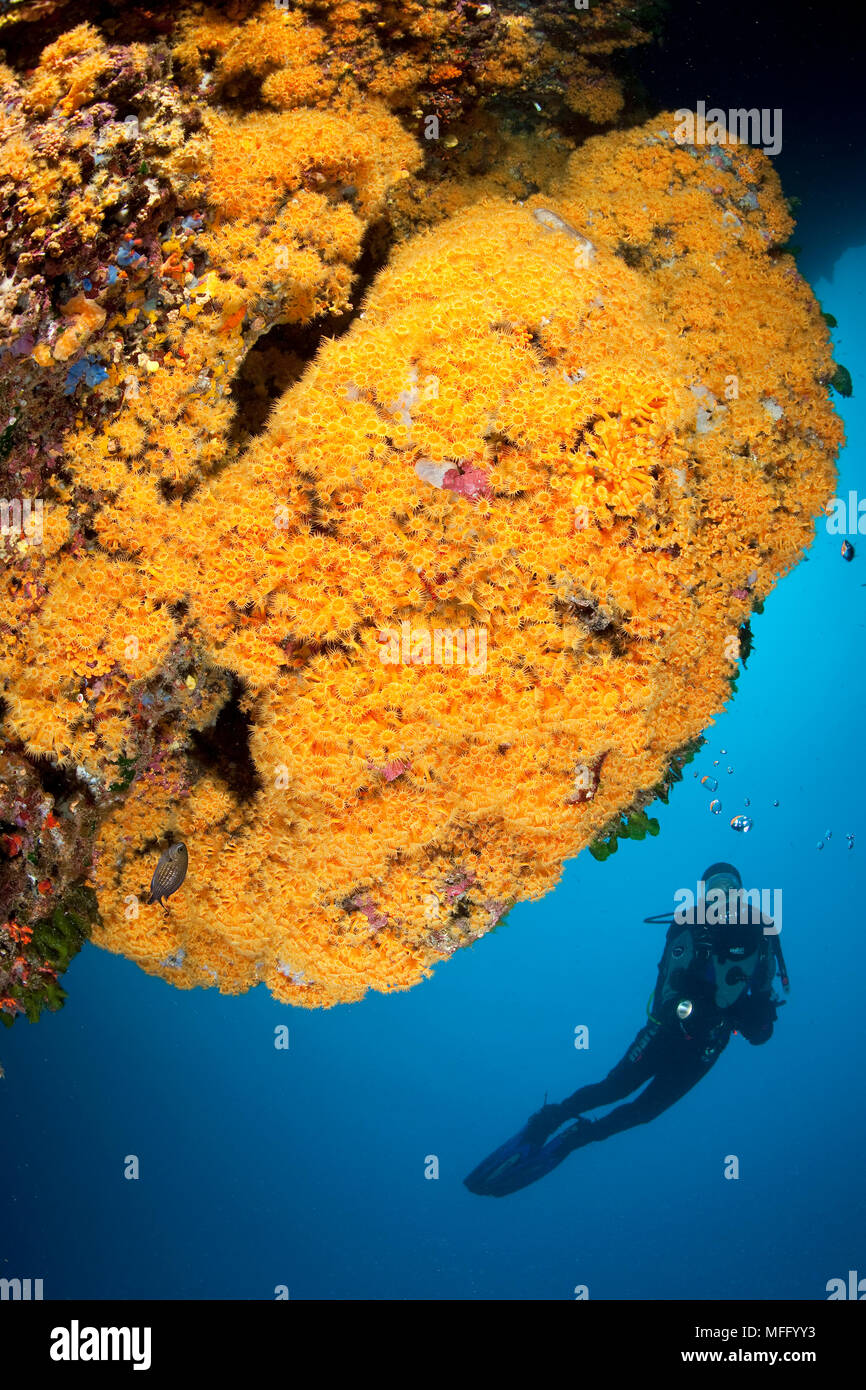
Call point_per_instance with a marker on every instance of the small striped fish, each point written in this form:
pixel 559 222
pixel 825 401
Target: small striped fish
pixel 169 874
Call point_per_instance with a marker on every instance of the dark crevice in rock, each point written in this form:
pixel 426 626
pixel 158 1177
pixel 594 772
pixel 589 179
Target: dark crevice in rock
pixel 25 38
pixel 224 749
pixel 280 357
pixel 58 780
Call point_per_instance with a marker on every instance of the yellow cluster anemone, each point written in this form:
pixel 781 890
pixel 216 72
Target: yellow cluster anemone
pixel 503 529
pixel 387 656
pixel 427 52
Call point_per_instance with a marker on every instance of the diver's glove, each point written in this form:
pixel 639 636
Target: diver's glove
pixel 754 1016
pixel 542 1124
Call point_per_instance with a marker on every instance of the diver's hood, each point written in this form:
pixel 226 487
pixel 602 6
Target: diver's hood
pixel 723 876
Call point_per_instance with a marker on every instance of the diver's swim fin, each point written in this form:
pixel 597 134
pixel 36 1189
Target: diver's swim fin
pixel 517 1163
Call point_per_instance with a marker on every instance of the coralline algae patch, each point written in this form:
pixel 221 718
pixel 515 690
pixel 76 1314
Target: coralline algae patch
pixel 547 425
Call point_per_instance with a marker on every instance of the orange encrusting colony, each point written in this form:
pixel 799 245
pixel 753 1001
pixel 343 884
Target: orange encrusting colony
pixel 600 457
pixel 490 343
pixel 427 51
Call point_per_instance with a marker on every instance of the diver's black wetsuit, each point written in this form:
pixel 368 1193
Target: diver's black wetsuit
pixel 715 978
pixel 671 1053
pixel 674 1063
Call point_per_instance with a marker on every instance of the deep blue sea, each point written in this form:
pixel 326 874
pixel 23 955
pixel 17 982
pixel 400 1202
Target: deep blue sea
pixel 305 1167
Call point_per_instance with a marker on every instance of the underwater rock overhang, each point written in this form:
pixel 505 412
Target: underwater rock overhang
pixel 472 589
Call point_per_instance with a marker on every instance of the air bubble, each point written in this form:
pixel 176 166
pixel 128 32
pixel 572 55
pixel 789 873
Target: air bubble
pixel 742 823
pixel 710 783
pixel 715 807
pixel 747 802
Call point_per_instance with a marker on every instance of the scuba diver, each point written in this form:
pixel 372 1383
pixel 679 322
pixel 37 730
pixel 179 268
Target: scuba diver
pixel 714 978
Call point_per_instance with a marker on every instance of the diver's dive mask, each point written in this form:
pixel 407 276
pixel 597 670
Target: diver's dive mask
pixel 721 876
